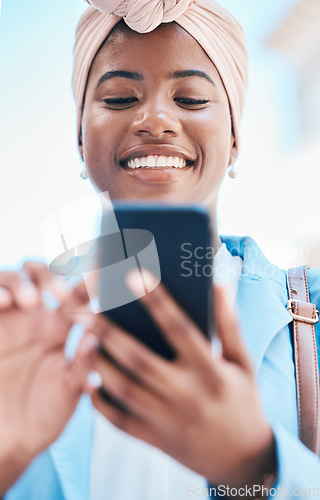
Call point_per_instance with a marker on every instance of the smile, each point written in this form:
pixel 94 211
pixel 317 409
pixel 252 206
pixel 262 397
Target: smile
pixel 157 162
pixel 156 158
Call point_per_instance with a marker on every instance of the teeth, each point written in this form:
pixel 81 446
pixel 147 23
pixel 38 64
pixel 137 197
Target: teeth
pixel 143 161
pixel 155 161
pixel 176 162
pixel 161 161
pixel 169 161
pixel 151 161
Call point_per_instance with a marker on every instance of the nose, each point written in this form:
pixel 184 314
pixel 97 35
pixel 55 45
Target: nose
pixel 156 119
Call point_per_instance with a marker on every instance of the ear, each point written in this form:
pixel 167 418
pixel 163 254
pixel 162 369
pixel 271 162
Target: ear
pixel 80 146
pixel 233 148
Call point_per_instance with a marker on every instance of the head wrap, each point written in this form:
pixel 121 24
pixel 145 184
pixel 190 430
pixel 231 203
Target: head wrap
pixel 214 28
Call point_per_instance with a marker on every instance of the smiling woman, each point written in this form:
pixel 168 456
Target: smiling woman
pixel 159 88
pixel 151 103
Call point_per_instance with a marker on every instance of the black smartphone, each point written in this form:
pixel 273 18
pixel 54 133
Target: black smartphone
pixel 175 244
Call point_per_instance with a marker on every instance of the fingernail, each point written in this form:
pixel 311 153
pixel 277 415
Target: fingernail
pixel 60 287
pixel 89 343
pixel 5 297
pixel 149 279
pixel 50 300
pixel 27 294
pixel 94 379
pixel 135 283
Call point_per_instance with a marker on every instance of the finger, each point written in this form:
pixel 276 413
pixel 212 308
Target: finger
pixel 130 354
pixel 233 348
pixel 22 291
pixel 43 279
pixel 177 326
pixel 75 306
pixel 6 300
pixel 128 423
pixel 171 381
pixel 135 397
pixel 78 297
pixel 83 362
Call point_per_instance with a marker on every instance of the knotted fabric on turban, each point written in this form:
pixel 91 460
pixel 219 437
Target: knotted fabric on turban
pixel 140 15
pixel 214 28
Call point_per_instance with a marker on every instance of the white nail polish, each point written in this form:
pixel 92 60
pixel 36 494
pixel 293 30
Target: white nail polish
pixel 94 379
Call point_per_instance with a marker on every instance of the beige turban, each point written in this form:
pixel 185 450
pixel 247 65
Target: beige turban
pixel 214 28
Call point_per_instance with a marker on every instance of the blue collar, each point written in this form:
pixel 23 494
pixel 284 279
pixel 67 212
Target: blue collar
pixel 261 298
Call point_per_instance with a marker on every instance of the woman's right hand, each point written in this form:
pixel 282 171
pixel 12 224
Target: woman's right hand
pixel 23 289
pixel 39 388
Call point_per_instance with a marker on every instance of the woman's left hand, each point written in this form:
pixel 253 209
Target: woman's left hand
pixel 202 409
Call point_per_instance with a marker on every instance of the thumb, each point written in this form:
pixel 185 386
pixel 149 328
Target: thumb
pixel 83 361
pixel 233 348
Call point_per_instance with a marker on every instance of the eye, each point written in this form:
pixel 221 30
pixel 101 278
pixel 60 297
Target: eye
pixel 120 102
pixel 190 103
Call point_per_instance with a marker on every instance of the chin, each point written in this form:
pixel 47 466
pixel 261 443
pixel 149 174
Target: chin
pixel 155 195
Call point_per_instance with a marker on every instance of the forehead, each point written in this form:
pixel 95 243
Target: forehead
pixel 169 46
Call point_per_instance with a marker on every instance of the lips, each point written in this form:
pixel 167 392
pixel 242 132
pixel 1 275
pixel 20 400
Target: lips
pixel 155 157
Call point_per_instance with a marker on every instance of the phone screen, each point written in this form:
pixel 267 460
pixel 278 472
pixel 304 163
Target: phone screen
pixel 175 244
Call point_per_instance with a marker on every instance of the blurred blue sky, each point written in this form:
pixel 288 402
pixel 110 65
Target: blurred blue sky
pixel 38 157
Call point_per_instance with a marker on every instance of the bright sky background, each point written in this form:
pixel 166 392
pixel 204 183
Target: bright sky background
pixel 38 156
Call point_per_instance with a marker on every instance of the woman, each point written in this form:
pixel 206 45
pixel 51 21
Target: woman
pixel 167 83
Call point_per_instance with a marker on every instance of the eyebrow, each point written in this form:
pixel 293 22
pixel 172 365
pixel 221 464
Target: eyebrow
pixel 133 75
pixel 191 72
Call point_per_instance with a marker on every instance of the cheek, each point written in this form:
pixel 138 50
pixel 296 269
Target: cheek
pixel 101 135
pixel 212 131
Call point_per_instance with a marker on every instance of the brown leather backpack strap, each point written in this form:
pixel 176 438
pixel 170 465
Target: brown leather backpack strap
pixel 305 316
